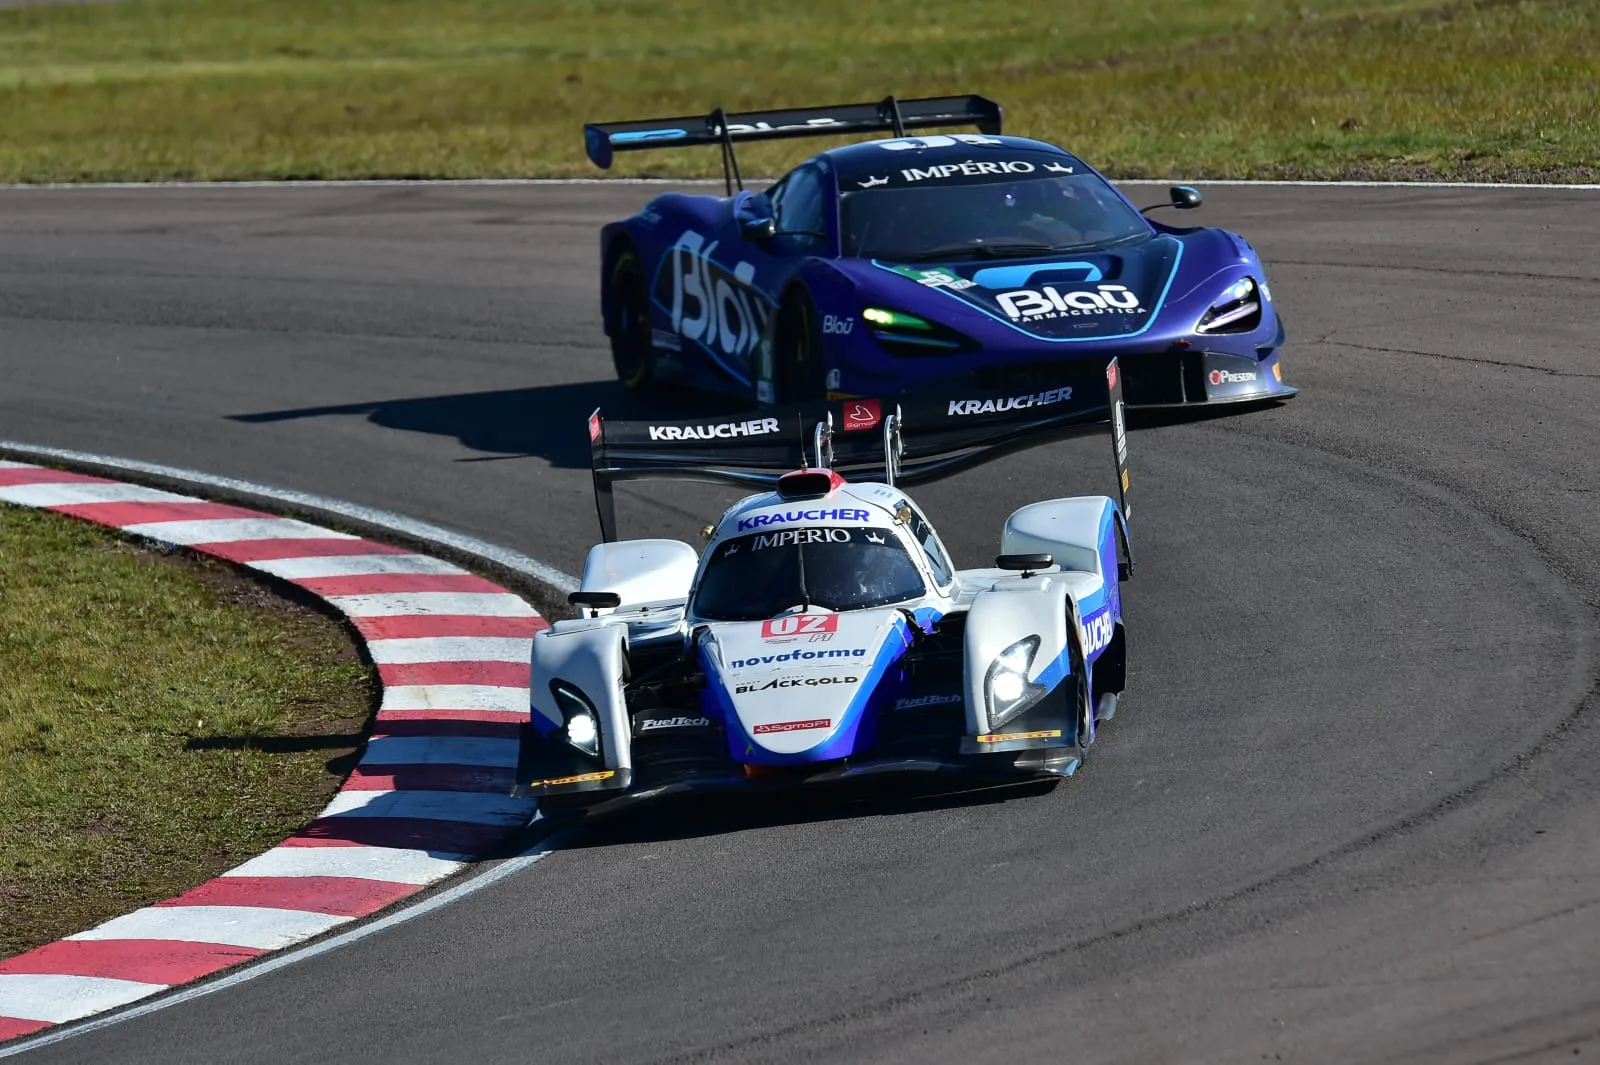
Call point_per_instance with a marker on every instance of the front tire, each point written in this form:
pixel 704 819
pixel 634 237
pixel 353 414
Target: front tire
pixel 632 352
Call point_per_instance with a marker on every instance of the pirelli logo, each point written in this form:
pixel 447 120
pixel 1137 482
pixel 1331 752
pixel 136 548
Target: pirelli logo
pixel 1007 737
pixel 581 778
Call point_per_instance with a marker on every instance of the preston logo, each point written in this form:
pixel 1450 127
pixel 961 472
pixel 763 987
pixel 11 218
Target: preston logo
pixel 1223 377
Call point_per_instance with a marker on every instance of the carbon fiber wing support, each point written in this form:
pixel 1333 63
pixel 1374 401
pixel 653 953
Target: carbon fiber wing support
pixel 602 140
pixel 910 439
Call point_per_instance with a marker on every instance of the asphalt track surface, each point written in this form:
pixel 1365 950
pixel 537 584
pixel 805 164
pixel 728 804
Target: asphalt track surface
pixel 1348 812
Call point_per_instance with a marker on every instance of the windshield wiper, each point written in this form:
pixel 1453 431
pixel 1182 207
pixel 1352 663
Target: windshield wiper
pixel 983 251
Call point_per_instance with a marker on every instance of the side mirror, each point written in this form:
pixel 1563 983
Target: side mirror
pixel 595 600
pixel 753 230
pixel 1183 197
pixel 1028 564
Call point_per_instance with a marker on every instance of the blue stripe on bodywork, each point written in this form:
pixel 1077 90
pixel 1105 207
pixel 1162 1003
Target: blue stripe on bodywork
pixel 1017 276
pixel 986 312
pixel 649 135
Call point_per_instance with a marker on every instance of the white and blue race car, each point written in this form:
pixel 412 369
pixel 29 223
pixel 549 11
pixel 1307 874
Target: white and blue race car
pixel 823 633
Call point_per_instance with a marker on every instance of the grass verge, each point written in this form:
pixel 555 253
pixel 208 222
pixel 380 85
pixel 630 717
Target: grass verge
pixel 220 89
pixel 162 719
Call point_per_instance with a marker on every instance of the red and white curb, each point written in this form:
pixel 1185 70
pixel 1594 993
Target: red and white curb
pixel 429 795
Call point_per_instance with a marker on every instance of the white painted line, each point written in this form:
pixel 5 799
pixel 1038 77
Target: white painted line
pixel 261 927
pixel 61 495
pixel 410 604
pixel 451 649
pixel 351 566
pixel 448 750
pixel 55 998
pixel 391 865
pixel 454 697
pixel 485 807
pixel 399 523
pixel 509 867
pixel 229 530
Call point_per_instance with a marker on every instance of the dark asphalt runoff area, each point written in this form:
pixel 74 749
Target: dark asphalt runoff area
pixel 1350 810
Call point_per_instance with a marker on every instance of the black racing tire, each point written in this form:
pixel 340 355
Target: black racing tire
pixel 797 350
pixel 632 353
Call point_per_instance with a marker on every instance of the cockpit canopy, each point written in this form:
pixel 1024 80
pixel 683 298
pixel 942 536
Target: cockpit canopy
pixel 837 567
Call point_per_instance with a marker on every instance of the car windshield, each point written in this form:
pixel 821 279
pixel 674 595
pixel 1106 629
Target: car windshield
pixel 995 219
pixel 753 577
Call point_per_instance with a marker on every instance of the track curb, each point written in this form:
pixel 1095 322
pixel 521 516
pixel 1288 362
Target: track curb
pixel 429 796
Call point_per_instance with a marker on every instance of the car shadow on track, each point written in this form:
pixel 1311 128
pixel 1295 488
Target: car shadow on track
pixel 695 816
pixel 546 422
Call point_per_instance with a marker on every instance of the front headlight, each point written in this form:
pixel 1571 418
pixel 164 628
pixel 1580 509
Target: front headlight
pixel 1238 310
pixel 1007 688
pixel 582 724
pixel 900 333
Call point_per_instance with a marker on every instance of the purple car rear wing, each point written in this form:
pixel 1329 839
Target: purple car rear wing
pixel 909 439
pixel 889 115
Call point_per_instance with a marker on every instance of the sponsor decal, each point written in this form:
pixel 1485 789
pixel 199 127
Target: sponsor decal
pixel 724 431
pixel 960 407
pixel 917 702
pixel 712 305
pixel 1277 372
pixel 1111 375
pixel 1223 377
pixel 792 726
pixel 594 426
pixel 837 325
pixel 798 656
pixel 1057 168
pixel 658 723
pixel 1097 632
pixel 873 182
pixel 790 537
pixel 793 682
pixel 934 277
pixel 758 521
pixel 939 140
pixel 970 168
pixel 800 625
pixel 737 128
pixel 1006 737
pixel 1027 304
pixel 581 778
pixel 862 414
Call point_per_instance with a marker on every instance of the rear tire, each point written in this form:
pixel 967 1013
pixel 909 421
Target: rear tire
pixel 632 352
pixel 801 375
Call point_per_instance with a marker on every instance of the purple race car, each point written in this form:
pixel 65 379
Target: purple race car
pixel 950 260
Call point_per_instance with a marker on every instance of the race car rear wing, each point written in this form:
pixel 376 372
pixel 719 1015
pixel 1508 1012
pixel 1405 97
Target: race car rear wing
pixel 908 440
pixel 889 115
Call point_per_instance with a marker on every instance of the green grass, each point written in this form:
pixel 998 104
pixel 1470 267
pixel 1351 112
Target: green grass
pixel 455 88
pixel 161 720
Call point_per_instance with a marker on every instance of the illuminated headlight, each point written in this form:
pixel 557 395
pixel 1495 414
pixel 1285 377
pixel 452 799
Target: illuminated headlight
pixel 1237 310
pixel 582 728
pixel 900 333
pixel 1007 687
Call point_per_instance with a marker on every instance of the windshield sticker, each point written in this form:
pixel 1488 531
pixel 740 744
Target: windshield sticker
pixel 724 431
pixel 799 625
pixel 791 537
pixel 970 168
pixel 960 407
pixel 795 656
pixel 793 726
pixel 873 182
pixel 759 521
pixel 780 683
pixel 1041 304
